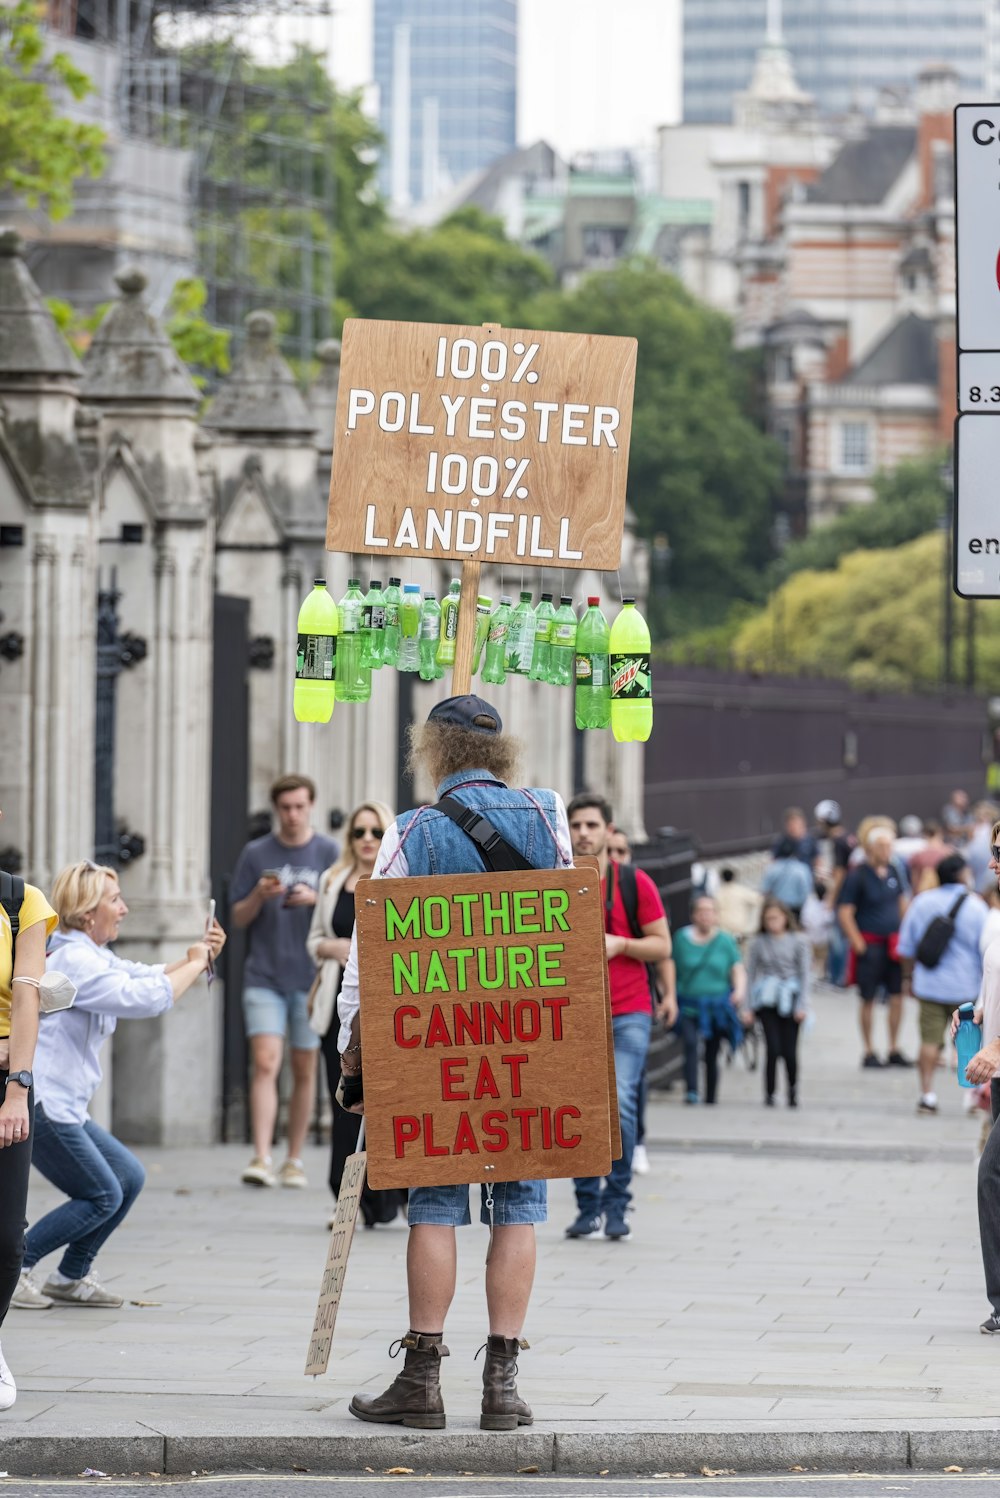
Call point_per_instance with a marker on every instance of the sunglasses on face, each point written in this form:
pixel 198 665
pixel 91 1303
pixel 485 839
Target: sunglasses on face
pixel 359 832
pixel 995 850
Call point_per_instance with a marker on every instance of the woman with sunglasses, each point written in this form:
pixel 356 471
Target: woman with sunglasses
pixel 329 943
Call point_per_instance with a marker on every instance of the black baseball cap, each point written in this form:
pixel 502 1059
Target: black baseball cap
pixel 470 712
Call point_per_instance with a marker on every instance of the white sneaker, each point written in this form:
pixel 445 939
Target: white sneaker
pixel 8 1388
pixel 292 1174
pixel 27 1296
pixel 85 1292
pixel 258 1172
pixel 640 1161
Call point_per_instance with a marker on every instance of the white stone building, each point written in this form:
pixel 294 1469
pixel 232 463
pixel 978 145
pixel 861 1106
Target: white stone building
pixel 202 532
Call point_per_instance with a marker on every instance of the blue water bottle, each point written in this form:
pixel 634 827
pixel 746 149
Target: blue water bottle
pixel 968 1040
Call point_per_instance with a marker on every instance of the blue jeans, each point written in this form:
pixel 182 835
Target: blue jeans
pixel 631 1036
pixel 101 1178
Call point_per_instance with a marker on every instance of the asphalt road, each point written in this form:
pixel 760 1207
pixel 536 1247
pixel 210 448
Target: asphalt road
pixel 783 1485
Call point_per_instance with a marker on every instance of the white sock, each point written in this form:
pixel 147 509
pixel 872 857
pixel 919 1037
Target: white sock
pixel 294 1160
pixel 58 1278
pixel 929 1097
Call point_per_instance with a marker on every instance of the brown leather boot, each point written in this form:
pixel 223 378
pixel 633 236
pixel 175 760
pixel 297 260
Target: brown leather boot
pixel 414 1396
pixel 502 1408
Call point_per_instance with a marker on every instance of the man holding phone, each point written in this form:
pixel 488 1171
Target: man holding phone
pixel 273 893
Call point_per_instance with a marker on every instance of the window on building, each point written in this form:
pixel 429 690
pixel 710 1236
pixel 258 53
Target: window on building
pixel 855 447
pixel 743 205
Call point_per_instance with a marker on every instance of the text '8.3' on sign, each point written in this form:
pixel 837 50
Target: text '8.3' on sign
pixel 497 444
pixel 484 1027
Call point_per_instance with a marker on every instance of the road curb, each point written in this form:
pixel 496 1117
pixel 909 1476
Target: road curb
pixel 864 1447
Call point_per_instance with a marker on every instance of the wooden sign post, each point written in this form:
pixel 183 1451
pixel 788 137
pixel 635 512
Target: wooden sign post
pixel 481 445
pixel 352 1184
pixel 485 1027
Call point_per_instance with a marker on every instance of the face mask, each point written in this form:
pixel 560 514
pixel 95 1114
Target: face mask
pixel 55 991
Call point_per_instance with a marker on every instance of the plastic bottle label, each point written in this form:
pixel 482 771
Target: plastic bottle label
pixel 366 616
pixel 630 679
pixel 391 616
pixel 497 633
pixel 592 670
pixel 451 622
pixel 316 658
pixel 430 626
pixel 564 634
pixel 543 630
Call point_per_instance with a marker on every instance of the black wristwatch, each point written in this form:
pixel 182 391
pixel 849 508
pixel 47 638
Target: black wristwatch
pixel 22 1078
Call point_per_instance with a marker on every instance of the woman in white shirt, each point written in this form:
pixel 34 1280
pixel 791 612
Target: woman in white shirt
pixel 99 1175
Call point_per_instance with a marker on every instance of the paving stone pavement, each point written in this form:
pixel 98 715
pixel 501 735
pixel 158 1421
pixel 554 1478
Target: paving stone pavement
pixel 790 1272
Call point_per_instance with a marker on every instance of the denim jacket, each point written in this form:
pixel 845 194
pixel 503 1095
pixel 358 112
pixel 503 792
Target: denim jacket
pixel 532 821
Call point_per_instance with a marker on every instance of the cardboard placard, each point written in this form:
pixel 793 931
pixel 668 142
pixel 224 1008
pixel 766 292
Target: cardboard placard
pixel 352 1184
pixel 503 444
pixel 485 1027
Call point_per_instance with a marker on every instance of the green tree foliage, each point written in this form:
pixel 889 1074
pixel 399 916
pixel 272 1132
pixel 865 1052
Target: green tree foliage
pixel 909 501
pixel 464 270
pixel 701 471
pixel 876 619
pixel 41 152
pixel 203 347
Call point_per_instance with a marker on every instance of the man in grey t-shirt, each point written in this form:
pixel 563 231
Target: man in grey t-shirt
pixel 273 893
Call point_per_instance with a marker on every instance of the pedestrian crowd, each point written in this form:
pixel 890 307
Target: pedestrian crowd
pixel 891 910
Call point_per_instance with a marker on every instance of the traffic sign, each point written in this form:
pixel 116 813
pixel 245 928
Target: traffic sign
pixel 977 225
pixel 977 508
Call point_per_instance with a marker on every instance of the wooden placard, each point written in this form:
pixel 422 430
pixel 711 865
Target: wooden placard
pixel 352 1184
pixel 484 1027
pixel 504 444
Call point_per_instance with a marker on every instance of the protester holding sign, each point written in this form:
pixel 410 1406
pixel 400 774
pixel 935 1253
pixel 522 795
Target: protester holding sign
pixel 466 755
pixel 636 936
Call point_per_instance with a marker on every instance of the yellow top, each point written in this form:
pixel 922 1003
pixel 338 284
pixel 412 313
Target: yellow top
pixel 34 908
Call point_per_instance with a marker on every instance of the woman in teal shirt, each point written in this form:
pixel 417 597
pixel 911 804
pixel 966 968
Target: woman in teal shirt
pixel 711 990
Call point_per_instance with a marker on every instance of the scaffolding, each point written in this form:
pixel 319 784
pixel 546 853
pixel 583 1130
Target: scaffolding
pixel 202 76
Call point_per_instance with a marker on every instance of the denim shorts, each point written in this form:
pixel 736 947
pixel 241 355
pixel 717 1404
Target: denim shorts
pixel 514 1203
pixel 267 1012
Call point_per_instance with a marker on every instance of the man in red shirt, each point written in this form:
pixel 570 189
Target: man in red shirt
pixel 602 1204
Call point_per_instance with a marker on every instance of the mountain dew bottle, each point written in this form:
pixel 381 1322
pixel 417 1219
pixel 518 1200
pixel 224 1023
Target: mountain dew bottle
pixel 631 683
pixel 316 656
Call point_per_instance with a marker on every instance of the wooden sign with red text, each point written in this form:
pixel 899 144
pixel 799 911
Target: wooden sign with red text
pixel 500 444
pixel 484 1027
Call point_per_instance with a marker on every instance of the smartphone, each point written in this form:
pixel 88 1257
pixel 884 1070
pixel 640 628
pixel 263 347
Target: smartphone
pixel 210 918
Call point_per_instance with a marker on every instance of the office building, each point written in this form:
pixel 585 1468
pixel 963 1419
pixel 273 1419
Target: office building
pixel 843 53
pixel 446 71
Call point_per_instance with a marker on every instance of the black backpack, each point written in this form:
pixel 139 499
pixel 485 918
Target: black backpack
pixel 628 884
pixel 935 940
pixel 11 898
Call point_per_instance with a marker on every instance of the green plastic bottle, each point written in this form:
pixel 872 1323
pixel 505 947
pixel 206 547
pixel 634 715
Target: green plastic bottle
pixel 521 638
pixel 430 639
pixel 373 626
pixel 593 689
pixel 484 607
pixel 390 633
pixel 495 669
pixel 354 680
pixel 562 650
pixel 409 628
pixel 316 656
pixel 544 615
pixel 631 679
pixel 449 624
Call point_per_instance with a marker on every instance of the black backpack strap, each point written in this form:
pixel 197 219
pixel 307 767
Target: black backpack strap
pixel 495 851
pixel 11 898
pixel 953 912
